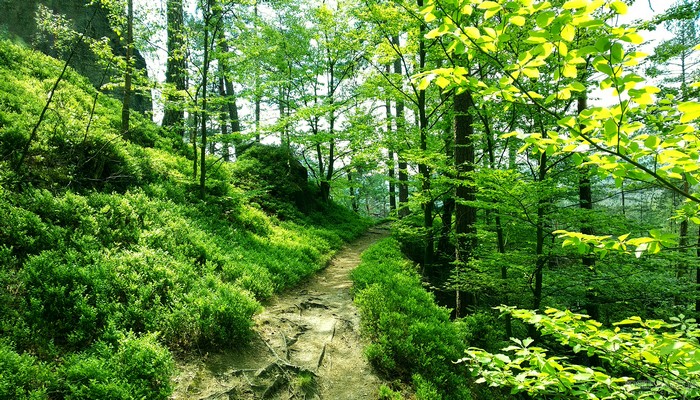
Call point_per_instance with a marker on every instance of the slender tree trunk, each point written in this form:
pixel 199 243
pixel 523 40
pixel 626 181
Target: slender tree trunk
pixel 126 105
pixel 174 116
pixel 500 240
pixel 390 164
pixel 423 168
pixel 193 140
pixel 465 213
pixel 586 205
pixel 353 194
pixel 205 83
pixel 227 92
pixel 681 269
pixel 444 249
pixel 258 99
pixel 539 247
pixel 223 121
pixel 257 118
pixel 401 133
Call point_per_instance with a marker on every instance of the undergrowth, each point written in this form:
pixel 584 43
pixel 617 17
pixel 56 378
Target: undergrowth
pixel 109 262
pixel 412 339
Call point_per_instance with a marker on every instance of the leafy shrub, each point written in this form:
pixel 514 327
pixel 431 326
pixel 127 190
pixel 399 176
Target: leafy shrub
pixel 224 312
pixel 68 296
pixel 22 376
pixel 412 337
pixel 133 368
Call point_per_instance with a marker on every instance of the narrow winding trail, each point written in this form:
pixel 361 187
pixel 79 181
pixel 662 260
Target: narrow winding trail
pixel 307 345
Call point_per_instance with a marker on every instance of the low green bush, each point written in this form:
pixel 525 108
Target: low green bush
pixel 412 338
pixel 132 368
pixel 22 376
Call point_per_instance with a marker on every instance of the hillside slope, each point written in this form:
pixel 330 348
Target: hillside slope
pixel 109 262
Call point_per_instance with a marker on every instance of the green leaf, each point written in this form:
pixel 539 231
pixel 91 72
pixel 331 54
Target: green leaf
pixel 489 5
pixel 652 142
pixel 442 82
pixel 617 53
pixel 517 20
pixel 619 7
pixel 574 4
pixel 690 110
pixel 568 32
pixel 425 82
pixel 472 32
pixel 633 38
pixel 543 20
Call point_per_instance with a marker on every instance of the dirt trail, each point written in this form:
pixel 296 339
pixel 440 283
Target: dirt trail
pixel 307 345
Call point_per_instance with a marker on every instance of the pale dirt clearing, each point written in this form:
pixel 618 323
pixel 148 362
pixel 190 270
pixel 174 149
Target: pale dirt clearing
pixel 307 345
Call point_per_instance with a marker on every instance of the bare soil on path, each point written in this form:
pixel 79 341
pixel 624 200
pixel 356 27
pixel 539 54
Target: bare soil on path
pixel 307 345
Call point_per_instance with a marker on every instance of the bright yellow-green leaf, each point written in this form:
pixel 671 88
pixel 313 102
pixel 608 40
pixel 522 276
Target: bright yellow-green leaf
pixel 517 20
pixel 633 38
pixel 568 32
pixel 442 82
pixel 594 5
pixel 472 32
pixel 568 122
pixel 535 40
pixel 690 110
pixel 644 99
pixel 428 9
pixel 489 5
pixel 564 94
pixel 430 17
pixel 619 7
pixel 467 9
pixel 563 49
pixel 437 32
pixel 533 73
pixel 425 82
pixel 573 4
pixel 569 71
pixel 490 13
pixel 546 50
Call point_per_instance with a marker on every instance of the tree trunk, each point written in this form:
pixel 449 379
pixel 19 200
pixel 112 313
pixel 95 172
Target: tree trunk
pixel 586 205
pixel 205 82
pixel 465 213
pixel 400 134
pixel 390 164
pixel 500 240
pixel 423 168
pixel 353 195
pixel 126 105
pixel 444 249
pixel 227 92
pixel 173 117
pixel 223 122
pixel 539 247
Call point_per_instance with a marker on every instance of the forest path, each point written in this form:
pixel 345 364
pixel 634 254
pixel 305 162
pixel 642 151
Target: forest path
pixel 307 345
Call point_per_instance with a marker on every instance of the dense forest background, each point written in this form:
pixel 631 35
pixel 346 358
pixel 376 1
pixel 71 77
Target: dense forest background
pixel 532 155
